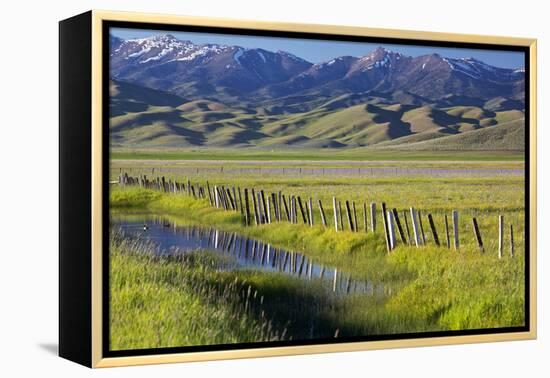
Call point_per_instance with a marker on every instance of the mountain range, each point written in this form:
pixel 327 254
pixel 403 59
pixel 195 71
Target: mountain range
pixel 168 92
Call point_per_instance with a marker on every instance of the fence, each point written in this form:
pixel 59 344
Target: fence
pixel 257 207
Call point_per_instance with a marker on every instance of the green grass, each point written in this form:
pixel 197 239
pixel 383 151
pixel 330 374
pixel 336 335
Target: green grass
pixel 161 302
pixel 362 154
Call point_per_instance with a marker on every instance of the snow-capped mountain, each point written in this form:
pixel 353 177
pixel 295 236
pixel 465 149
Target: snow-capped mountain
pixel 166 63
pixel 209 70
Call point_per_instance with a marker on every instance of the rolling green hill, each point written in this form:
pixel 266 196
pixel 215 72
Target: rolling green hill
pixel 142 118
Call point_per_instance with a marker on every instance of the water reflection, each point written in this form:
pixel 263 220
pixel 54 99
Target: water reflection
pixel 246 253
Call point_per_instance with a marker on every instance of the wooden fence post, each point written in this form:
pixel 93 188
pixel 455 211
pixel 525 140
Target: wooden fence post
pixel 391 230
pixel 399 228
pixel 373 216
pixel 500 235
pixel 447 232
pixel 235 199
pixel 386 229
pixel 323 219
pixel 434 231
pixel 281 206
pixel 293 210
pixel 478 235
pixel 264 205
pixel 216 197
pixel 341 216
pixel 365 216
pixel 275 206
pixel 406 221
pixel 268 209
pixel 335 209
pixel 416 231
pixel 421 228
pixel 511 241
pixel 241 201
pixel 261 210
pixel 350 220
pixel 247 208
pixel 209 193
pixel 355 225
pixel 304 218
pixel 310 212
pixel 285 206
pixel 455 229
pixel 255 206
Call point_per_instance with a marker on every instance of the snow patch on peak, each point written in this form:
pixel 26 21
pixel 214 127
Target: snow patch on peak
pixel 238 54
pixel 262 56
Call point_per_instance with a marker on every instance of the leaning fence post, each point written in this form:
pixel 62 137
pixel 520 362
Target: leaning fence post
pixel 447 232
pixel 335 209
pixel 455 229
pixel 302 212
pixel 399 228
pixel 434 232
pixel 500 235
pixel 350 220
pixel 416 231
pixel 216 197
pixel 478 235
pixel 386 230
pixel 323 219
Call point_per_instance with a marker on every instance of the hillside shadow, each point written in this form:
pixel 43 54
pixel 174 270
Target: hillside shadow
pixel 396 127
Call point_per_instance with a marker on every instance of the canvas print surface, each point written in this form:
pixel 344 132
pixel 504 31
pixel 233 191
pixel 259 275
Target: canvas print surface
pixel 285 190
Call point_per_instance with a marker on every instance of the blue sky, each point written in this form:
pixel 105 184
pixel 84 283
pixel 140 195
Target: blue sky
pixel 318 51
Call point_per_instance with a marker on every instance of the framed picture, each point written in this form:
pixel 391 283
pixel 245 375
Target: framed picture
pixel 235 189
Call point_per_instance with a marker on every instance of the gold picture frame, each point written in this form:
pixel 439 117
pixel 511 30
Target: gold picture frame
pixel 91 328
